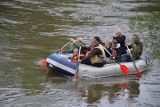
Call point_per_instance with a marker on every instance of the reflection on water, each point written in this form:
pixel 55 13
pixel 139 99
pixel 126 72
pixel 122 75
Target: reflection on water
pixel 30 30
pixel 120 88
pixel 95 91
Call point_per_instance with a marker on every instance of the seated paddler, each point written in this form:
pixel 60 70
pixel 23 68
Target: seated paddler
pixel 74 58
pixel 97 55
pixel 136 47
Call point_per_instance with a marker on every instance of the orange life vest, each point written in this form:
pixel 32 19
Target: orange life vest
pixel 62 52
pixel 75 58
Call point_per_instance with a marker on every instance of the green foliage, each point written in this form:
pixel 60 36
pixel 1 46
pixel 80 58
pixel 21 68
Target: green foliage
pixel 149 28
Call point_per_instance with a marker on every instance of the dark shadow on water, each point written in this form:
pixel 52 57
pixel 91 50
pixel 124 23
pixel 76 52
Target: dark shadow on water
pixel 50 74
pixel 95 90
pixel 111 88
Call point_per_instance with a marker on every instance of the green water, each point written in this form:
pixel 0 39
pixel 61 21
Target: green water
pixel 30 30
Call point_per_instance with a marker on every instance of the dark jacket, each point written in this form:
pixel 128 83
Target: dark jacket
pixel 137 49
pixel 119 52
pixel 121 40
pixel 87 59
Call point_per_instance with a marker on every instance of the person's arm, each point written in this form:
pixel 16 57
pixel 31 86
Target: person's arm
pixel 92 53
pixel 86 48
pixel 75 45
pixel 130 46
pixel 141 48
pixel 107 54
pixel 114 37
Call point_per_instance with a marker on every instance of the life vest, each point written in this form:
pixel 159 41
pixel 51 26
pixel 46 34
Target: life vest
pixel 62 52
pixel 75 58
pixel 99 59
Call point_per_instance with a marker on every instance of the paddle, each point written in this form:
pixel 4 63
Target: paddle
pixel 138 74
pixel 76 74
pixel 124 69
pixel 63 46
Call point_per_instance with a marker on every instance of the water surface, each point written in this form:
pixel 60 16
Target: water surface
pixel 30 30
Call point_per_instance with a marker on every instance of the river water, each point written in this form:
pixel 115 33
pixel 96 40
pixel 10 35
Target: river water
pixel 30 30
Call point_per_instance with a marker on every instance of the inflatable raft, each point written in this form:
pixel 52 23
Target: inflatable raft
pixel 61 63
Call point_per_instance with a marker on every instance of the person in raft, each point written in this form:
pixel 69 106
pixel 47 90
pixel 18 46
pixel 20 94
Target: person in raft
pixel 77 43
pixel 136 47
pixel 114 49
pixel 107 44
pixel 74 58
pixel 91 47
pixel 97 55
pixel 119 37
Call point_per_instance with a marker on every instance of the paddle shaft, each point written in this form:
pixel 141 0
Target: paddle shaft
pixel 76 74
pixel 123 67
pixel 65 45
pixel 138 72
pixel 110 54
pixel 132 58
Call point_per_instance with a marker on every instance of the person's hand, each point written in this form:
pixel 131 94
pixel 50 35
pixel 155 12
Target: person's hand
pixel 79 61
pixel 113 36
pixel 72 40
pixel 112 58
pixel 59 50
pixel 80 44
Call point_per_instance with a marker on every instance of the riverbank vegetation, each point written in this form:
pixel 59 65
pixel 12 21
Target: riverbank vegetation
pixel 148 27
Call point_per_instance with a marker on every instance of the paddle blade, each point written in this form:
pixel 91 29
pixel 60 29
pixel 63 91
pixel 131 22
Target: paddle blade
pixel 124 69
pixel 43 64
pixel 138 74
